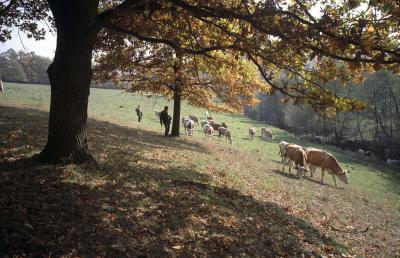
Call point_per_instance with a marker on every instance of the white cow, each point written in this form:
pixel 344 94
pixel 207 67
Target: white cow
pixel 393 162
pixel 361 153
pixel 252 133
pixel 189 126
pixel 321 139
pixel 208 131
pixel 157 114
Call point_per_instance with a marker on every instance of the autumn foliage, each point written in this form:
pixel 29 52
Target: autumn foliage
pixel 276 36
pixel 217 81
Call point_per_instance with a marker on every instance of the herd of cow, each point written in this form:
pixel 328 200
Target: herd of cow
pixel 302 157
pixel 291 153
pixel 209 127
pixel 312 158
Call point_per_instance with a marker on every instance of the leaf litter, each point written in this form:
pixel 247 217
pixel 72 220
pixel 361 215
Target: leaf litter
pixel 153 196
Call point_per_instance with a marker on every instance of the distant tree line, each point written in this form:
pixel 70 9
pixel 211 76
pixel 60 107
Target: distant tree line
pixel 376 128
pixel 24 67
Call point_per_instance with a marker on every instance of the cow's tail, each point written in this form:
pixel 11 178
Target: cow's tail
pixel 305 164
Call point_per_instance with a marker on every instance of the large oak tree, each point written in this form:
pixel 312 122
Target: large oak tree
pixel 275 35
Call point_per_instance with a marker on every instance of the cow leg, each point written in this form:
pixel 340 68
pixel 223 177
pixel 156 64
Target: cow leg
pixel 290 167
pixel 311 171
pixel 300 172
pixel 334 180
pixel 322 175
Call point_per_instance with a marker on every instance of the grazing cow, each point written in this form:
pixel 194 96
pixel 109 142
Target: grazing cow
pixel 326 161
pixel 157 114
pixel 225 132
pixel 252 133
pixel 370 155
pixel 215 125
pixel 361 153
pixel 208 131
pixel 194 118
pixel 393 162
pixel 320 139
pixel 295 153
pixel 282 150
pixel 266 133
pixel 189 126
pixel 366 154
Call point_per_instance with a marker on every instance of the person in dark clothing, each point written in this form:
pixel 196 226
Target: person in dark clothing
pixel 139 113
pixel 165 119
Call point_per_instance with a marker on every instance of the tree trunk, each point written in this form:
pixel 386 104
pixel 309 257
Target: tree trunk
pixel 177 94
pixel 70 75
pixel 359 128
pixel 177 114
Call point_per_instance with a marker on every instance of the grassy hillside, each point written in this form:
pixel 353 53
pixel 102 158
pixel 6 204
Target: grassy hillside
pixel 118 106
pixel 156 196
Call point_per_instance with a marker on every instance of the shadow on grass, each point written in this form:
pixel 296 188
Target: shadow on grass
pixel 127 209
pixel 285 174
pixel 293 176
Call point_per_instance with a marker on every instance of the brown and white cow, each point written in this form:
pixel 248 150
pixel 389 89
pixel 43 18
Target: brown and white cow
pixel 215 125
pixel 266 133
pixel 194 118
pixel 295 153
pixel 225 132
pixel 326 161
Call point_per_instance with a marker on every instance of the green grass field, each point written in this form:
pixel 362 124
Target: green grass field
pixel 241 186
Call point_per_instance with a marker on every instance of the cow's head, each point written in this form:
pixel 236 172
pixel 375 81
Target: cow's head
pixel 343 176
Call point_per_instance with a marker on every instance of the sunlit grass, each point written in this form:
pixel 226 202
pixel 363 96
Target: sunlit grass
pixel 118 106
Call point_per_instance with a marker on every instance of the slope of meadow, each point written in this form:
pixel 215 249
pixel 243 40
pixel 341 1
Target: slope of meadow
pixel 156 196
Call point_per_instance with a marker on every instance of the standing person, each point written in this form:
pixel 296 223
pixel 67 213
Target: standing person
pixel 139 113
pixel 1 85
pixel 165 119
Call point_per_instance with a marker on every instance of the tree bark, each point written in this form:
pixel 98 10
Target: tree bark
pixel 177 94
pixel 70 75
pixel 177 113
pixel 359 128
